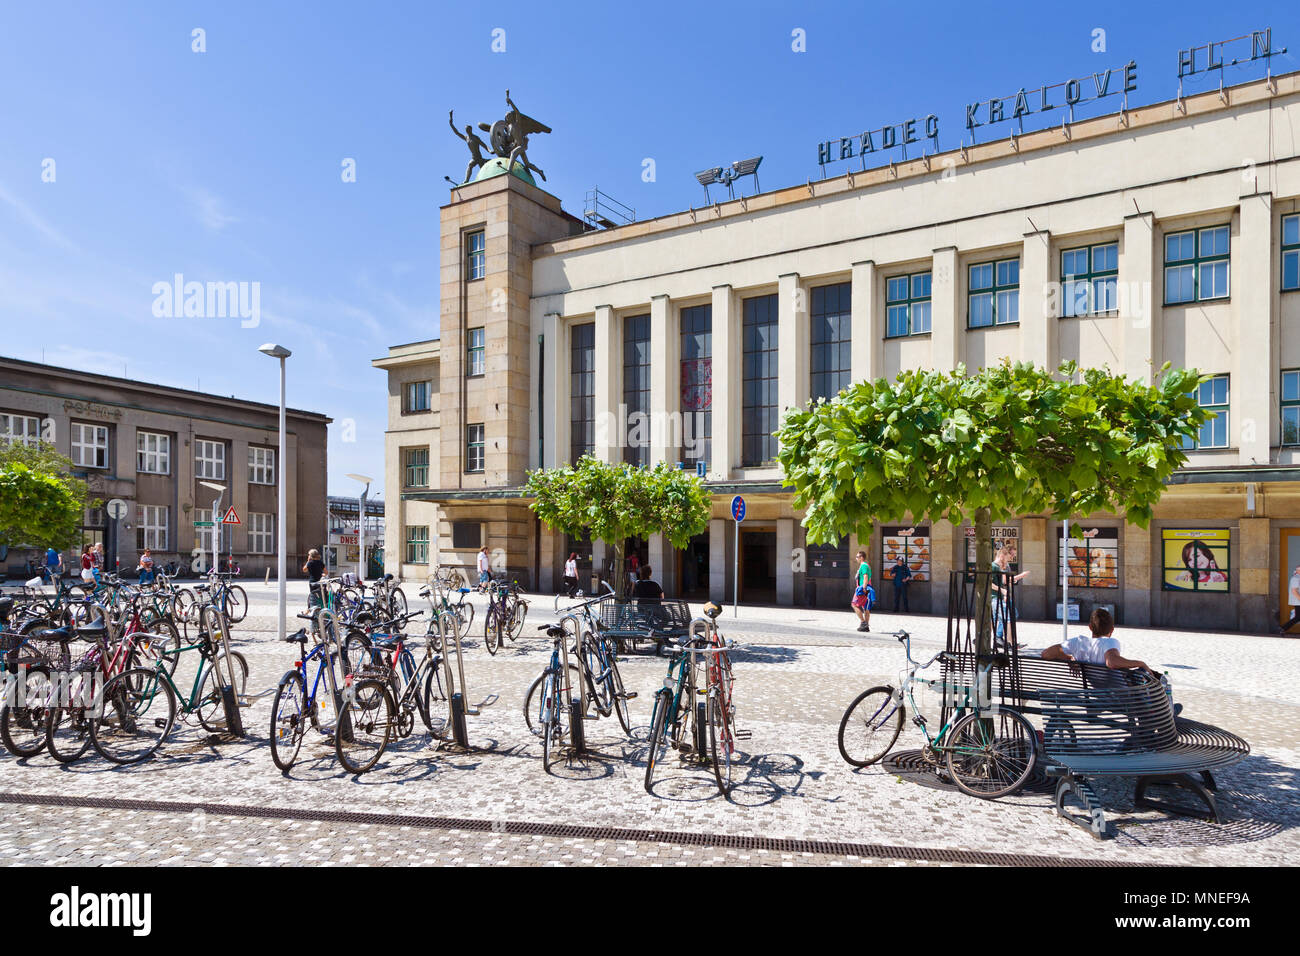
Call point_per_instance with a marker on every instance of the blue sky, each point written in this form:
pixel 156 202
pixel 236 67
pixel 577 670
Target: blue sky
pixel 226 165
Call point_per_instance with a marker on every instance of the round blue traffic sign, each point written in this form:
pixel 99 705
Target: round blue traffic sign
pixel 738 508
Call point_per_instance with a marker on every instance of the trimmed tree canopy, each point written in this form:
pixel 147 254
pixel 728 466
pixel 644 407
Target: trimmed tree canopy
pixel 1006 441
pixel 38 508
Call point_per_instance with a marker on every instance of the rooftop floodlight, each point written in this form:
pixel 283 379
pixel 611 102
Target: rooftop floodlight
pixel 728 175
pixel 275 351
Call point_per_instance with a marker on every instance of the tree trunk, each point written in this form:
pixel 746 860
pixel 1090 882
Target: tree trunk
pixel 983 588
pixel 620 573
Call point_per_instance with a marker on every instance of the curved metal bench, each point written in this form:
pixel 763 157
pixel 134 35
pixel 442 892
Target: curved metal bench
pixel 633 620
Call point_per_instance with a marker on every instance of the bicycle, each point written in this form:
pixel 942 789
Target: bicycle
pixel 229 598
pixel 989 751
pixel 505 614
pixel 462 610
pixel 296 706
pixel 560 713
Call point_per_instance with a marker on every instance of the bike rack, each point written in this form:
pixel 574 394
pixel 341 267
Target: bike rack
pixel 234 721
pixel 460 709
pixel 327 629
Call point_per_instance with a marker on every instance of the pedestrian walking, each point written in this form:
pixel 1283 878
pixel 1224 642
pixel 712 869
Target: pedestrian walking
pixel 146 568
pixel 484 566
pixel 97 553
pixel 54 564
pixel 901 575
pixel 87 566
pixel 1004 602
pixel 571 575
pixel 1293 592
pixel 863 593
pixel 315 570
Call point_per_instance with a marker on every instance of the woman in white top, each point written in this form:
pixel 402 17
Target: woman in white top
pixel 571 574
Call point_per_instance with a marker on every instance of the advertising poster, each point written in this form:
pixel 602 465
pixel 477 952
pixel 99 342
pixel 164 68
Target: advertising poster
pixel 913 545
pixel 1092 556
pixel 1195 559
pixel 1002 534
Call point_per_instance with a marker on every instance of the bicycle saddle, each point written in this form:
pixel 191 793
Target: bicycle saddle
pixel 52 634
pixel 299 637
pixel 712 610
pixel 463 590
pixel 552 630
pixel 93 630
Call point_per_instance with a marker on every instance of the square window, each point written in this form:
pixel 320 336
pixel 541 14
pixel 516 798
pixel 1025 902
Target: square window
pixel 981 276
pixel 89 445
pixel 1180 247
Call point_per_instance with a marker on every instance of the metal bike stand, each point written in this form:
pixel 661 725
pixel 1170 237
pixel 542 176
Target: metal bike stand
pixel 460 708
pixel 234 720
pixel 577 730
pixel 327 629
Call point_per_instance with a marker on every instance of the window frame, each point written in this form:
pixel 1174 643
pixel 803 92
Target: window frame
pixel 636 383
pixel 837 346
pixel 1285 404
pixel 461 525
pixel 416 545
pixel 582 390
pixel 695 331
pixel 408 403
pixel 995 290
pixel 1195 263
pixel 768 380
pixel 471 444
pixel 1290 250
pixel 149 532
pixel 29 438
pixel 908 301
pixel 261 525
pixel 1222 410
pixel 258 468
pixel 162 456
pixel 78 445
pixel 408 466
pixel 210 443
pixel 1089 278
pixel 476 354
pixel 475 255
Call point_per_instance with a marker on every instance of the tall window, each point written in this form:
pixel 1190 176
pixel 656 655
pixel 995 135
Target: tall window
pixel 907 304
pixel 153 453
pixel 1291 407
pixel 1196 265
pixel 697 383
pixel 89 445
pixel 1212 395
pixel 475 255
pixel 261 533
pixel 151 527
pixel 994 296
pixel 417 468
pixel 829 332
pixel 759 406
pixel 261 465
pixel 415 397
pixel 417 544
pixel 1089 276
pixel 476 357
pixel 636 388
pixel 474 448
pixel 209 459
pixel 582 391
pixel 21 429
pixel 1290 253
pixel 203 535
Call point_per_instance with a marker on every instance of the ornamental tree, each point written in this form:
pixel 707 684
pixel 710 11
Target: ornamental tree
pixel 613 502
pixel 39 507
pixel 1009 440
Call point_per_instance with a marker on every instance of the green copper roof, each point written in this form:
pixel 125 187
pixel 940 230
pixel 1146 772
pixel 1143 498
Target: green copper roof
pixel 497 167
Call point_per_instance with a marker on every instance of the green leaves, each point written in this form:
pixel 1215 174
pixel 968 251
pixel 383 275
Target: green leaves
pixel 38 508
pixel 614 502
pixel 1014 439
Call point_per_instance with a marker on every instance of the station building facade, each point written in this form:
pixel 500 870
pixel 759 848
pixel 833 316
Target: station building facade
pixel 1166 233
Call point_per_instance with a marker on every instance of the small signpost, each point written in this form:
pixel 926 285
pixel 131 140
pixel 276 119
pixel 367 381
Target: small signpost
pixel 116 510
pixel 230 517
pixel 737 512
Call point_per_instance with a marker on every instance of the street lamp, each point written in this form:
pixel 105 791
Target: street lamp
pixel 216 520
pixel 361 526
pixel 281 526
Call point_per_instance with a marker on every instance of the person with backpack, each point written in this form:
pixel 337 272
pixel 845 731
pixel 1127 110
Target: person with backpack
pixel 863 593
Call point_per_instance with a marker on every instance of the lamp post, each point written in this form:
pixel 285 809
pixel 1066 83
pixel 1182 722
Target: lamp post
pixel 361 526
pixel 216 521
pixel 281 526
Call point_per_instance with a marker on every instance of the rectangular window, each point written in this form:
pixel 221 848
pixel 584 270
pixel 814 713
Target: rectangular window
pixel 1195 559
pixel 474 448
pixel 759 404
pixel 582 391
pixel 1290 253
pixel 994 296
pixel 907 304
pixel 415 397
pixel 417 544
pixel 475 255
pixel 466 535
pixel 209 459
pixel 261 533
pixel 203 535
pixel 151 527
pixel 1196 265
pixel 1212 395
pixel 89 445
pixel 1089 278
pixel 636 389
pixel 416 468
pixel 23 429
pixel 153 453
pixel 476 357
pixel 261 466
pixel 697 383
pixel 829 335
pixel 1291 407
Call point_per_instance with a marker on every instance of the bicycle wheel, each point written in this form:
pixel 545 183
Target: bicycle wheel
pixel 22 719
pixel 491 630
pixel 288 720
pixel 991 755
pixel 619 695
pixel 517 620
pixel 435 700
pixel 67 727
pixel 356 651
pixel 397 602
pixel 555 721
pixel 870 726
pixel 185 609
pixel 657 740
pixel 161 636
pixel 236 604
pixel 369 714
pixel 533 701
pixel 465 614
pixel 210 705
pixel 138 710
pixel 721 741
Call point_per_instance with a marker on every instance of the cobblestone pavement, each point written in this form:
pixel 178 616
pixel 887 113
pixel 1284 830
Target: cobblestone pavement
pixel 797 672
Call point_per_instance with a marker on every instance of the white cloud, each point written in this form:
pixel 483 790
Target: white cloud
pixel 210 209
pixel 36 222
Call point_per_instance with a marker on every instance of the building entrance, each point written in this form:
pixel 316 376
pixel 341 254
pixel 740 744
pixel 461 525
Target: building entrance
pixel 757 566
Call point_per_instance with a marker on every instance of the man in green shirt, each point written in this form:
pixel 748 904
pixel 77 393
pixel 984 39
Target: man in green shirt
pixel 862 592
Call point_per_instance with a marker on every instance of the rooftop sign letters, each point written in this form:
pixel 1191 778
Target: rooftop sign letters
pixel 1068 94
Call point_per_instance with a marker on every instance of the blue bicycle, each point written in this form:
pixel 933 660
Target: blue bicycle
pixel 298 698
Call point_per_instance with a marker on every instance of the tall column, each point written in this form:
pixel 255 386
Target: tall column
pixel 867 328
pixel 792 385
pixel 1254 576
pixel 610 428
pixel 1138 581
pixel 784 561
pixel 665 440
pixel 1253 418
pixel 943 542
pixel 554 422
pixel 726 386
pixel 1038 309
pixel 947 318
pixel 1036 599
pixel 1141 294
pixel 718 569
